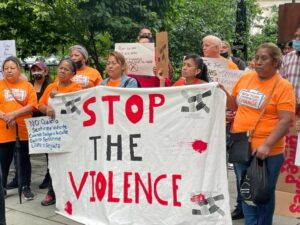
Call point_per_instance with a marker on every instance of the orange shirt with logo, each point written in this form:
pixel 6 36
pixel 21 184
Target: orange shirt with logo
pixel 24 92
pixel 74 86
pixel 251 94
pixel 88 77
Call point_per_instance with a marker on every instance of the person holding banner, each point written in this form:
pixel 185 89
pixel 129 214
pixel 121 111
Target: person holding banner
pixel 116 69
pixel 17 102
pixel 193 71
pixel 211 46
pixel 254 91
pixel 64 84
pixel 85 75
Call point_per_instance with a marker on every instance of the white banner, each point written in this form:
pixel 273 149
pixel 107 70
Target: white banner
pixel 139 57
pixel 7 48
pixel 143 156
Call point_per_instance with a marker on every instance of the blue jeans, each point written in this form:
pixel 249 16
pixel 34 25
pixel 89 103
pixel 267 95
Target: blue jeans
pixel 262 214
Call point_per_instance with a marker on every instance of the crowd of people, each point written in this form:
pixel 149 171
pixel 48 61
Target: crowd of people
pixel 272 81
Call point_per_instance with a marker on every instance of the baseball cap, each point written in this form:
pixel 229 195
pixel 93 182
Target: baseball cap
pixel 40 65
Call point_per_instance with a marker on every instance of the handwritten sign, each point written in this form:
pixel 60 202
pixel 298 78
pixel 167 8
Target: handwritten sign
pixel 130 148
pixel 218 72
pixel 7 48
pixel 48 135
pixel 162 52
pixel 139 57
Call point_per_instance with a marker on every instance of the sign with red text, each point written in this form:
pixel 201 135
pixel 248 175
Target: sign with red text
pixel 139 57
pixel 288 185
pixel 218 72
pixel 143 156
pixel 297 160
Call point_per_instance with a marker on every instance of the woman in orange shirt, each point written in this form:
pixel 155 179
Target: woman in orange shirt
pixel 249 96
pixel 193 71
pixel 85 75
pixel 63 84
pixel 116 69
pixel 17 101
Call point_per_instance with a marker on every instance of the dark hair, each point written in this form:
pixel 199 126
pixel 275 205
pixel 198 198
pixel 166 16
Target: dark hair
pixel 274 52
pixel 203 75
pixel 15 60
pixel 71 63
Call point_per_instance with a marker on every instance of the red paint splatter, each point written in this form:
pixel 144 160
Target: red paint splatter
pixel 197 198
pixel 69 208
pixel 199 146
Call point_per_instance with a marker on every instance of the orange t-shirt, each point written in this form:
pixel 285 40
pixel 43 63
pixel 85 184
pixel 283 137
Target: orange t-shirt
pixel 111 83
pixel 88 77
pixel 54 86
pixel 250 94
pixel 181 82
pixel 25 93
pixel 231 65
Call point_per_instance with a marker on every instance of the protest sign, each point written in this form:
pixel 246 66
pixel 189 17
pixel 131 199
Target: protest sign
pixel 46 135
pixel 218 72
pixel 7 48
pixel 139 57
pixel 143 156
pixel 162 52
pixel 297 160
pixel 288 185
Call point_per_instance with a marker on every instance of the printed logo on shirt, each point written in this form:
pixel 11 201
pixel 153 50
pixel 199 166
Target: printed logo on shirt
pixel 81 79
pixel 19 94
pixel 250 98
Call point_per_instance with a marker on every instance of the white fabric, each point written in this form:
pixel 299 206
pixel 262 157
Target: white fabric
pixel 184 145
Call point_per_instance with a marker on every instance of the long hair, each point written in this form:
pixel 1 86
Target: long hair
pixel 203 75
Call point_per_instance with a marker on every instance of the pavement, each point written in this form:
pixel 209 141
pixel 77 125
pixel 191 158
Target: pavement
pixel 32 213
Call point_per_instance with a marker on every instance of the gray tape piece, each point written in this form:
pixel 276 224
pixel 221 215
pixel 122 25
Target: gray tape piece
pixel 70 106
pixel 211 202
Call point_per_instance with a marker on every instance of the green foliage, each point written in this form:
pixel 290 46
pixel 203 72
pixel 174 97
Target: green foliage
pixel 198 18
pixel 268 31
pixel 52 26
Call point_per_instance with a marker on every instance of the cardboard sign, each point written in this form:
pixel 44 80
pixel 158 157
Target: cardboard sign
pixel 162 52
pixel 288 185
pixel 140 57
pixel 139 155
pixel 297 160
pixel 7 48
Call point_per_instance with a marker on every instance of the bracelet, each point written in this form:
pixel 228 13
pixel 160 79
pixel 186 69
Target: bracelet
pixel 15 114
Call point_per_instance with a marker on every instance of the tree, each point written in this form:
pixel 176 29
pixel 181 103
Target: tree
pixel 198 18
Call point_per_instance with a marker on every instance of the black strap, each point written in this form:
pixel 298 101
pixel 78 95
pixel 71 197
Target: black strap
pixel 131 78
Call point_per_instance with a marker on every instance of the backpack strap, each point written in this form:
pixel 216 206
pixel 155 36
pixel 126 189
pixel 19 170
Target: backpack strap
pixel 128 80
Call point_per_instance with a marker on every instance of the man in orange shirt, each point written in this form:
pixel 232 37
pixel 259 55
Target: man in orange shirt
pixel 211 46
